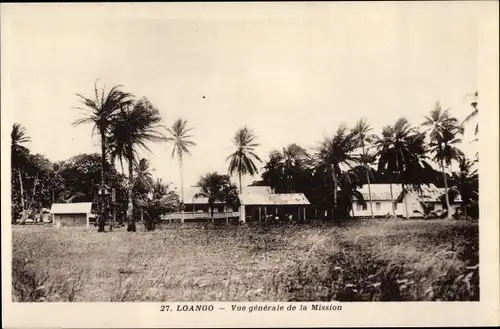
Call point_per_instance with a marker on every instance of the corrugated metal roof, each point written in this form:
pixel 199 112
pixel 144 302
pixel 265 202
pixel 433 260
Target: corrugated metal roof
pixel 71 208
pixel 381 192
pixel 261 195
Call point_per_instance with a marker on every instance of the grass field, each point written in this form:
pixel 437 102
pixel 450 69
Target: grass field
pixel 356 261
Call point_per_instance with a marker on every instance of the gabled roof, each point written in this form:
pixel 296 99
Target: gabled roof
pixel 71 208
pixel 262 195
pixel 382 192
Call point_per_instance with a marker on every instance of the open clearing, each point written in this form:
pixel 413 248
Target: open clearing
pixel 356 261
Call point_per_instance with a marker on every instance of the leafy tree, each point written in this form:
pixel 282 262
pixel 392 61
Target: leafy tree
pixel 335 153
pixel 242 160
pixel 133 127
pixel 181 142
pixel 444 132
pixel 217 188
pixel 100 110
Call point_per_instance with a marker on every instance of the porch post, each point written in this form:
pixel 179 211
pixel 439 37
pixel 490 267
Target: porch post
pixel 304 212
pixel 298 211
pixel 265 212
pixel 260 210
pixel 88 219
pixel 242 213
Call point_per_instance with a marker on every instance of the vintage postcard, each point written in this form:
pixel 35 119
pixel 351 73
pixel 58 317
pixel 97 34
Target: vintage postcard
pixel 250 164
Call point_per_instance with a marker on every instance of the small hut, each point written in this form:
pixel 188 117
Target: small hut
pixel 71 214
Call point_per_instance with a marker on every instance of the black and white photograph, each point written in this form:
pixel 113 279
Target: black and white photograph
pixel 257 155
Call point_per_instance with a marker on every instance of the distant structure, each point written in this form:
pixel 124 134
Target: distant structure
pixel 412 200
pixel 260 203
pixel 71 214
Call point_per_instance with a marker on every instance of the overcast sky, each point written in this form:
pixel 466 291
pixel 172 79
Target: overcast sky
pixel 293 73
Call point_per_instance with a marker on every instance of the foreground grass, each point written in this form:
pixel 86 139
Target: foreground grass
pixel 357 261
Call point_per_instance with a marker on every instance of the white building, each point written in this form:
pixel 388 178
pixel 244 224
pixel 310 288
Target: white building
pixel 410 201
pixel 71 214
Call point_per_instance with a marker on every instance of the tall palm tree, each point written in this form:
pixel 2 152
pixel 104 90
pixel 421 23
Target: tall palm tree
pixel 443 146
pixel 437 120
pixel 143 181
pixel 443 130
pixel 335 153
pixel 181 142
pixel 242 160
pixel 401 151
pixel 135 126
pixel 474 113
pixel 362 132
pixel 19 154
pixel 99 111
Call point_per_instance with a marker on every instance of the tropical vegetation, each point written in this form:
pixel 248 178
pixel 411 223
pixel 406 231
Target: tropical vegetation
pixel 330 174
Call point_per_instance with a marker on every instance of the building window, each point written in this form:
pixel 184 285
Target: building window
pixel 395 206
pixel 413 206
pixel 377 205
pixel 358 206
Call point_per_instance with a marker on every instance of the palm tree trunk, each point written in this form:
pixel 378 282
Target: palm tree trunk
pixel 392 200
pixel 370 193
pixel 404 198
pixel 21 189
pixel 182 181
pixel 446 197
pixel 368 181
pixel 102 218
pixel 334 177
pixel 182 189
pixel 241 188
pixel 130 208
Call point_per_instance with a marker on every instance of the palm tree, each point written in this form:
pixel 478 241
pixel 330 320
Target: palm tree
pixel 465 183
pixel 242 160
pixel 19 154
pixel 57 168
pixel 100 111
pixel 216 188
pixel 444 149
pixel 401 151
pixel 438 120
pixel 474 113
pixel 285 169
pixel 362 132
pixel 181 142
pixel 349 181
pixel 334 153
pixel 443 131
pixel 143 181
pixel 134 126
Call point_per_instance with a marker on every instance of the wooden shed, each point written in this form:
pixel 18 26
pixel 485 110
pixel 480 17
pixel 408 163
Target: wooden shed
pixel 71 214
pixel 260 202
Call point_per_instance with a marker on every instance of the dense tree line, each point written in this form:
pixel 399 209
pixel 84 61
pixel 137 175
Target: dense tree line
pixel 329 175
